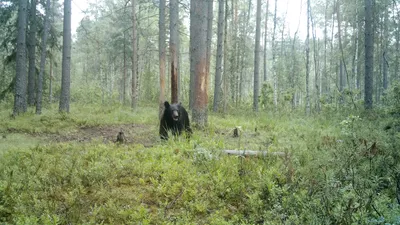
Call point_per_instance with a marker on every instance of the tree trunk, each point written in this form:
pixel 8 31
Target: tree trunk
pixel 355 58
pixel 332 66
pixel 233 62
pixel 384 54
pixel 124 75
pixel 257 57
pixel 20 76
pixel 225 74
pixel 209 32
pixel 294 71
pixel 218 64
pixel 369 54
pixel 192 96
pixel 173 44
pixel 51 77
pixel 134 56
pixel 397 57
pixel 325 77
pixel 308 107
pixel 274 69
pixel 341 81
pixel 316 65
pixel 32 53
pixel 385 72
pixel 42 60
pixel 198 36
pixel 161 55
pixel 342 62
pixel 243 56
pixel 51 72
pixel 265 42
pixel 138 19
pixel 66 59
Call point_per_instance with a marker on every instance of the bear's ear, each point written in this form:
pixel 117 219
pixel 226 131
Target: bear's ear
pixel 180 103
pixel 166 104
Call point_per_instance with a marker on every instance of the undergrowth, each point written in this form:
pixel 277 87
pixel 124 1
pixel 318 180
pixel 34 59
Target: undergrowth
pixel 336 170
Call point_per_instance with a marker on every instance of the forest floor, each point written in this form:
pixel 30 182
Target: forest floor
pixel 134 133
pixel 141 134
pixel 66 168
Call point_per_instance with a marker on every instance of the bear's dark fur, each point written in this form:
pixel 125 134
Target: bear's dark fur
pixel 176 119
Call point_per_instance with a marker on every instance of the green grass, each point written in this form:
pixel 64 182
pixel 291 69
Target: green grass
pixel 331 174
pixel 12 142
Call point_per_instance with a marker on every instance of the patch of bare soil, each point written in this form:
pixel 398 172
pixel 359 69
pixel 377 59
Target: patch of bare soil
pixel 147 135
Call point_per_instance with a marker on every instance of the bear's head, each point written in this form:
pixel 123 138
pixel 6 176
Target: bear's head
pixel 173 110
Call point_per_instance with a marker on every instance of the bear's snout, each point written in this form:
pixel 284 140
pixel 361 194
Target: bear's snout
pixel 175 115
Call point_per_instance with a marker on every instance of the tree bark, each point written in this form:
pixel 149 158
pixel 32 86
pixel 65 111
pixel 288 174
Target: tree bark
pixel 385 72
pixel 257 57
pixel 173 44
pixel 192 69
pixel 198 36
pixel 66 59
pixel 397 46
pixel 51 77
pixel 355 57
pixel 20 103
pixel 218 64
pixel 384 54
pixel 265 42
pixel 243 55
pixel 273 49
pixel 308 107
pixel 161 55
pixel 124 75
pixel 293 78
pixel 233 56
pixel 209 32
pixel 324 82
pixel 42 60
pixel 341 81
pixel 225 52
pixel 32 53
pixel 369 54
pixel 253 153
pixel 316 65
pixel 134 56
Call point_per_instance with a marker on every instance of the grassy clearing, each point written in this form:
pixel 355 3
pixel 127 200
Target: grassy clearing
pixel 13 142
pixel 337 171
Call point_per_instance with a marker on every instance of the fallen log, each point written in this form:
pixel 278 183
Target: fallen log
pixel 252 153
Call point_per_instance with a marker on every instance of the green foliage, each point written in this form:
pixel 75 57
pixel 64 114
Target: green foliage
pixel 341 170
pixel 392 99
pixel 267 95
